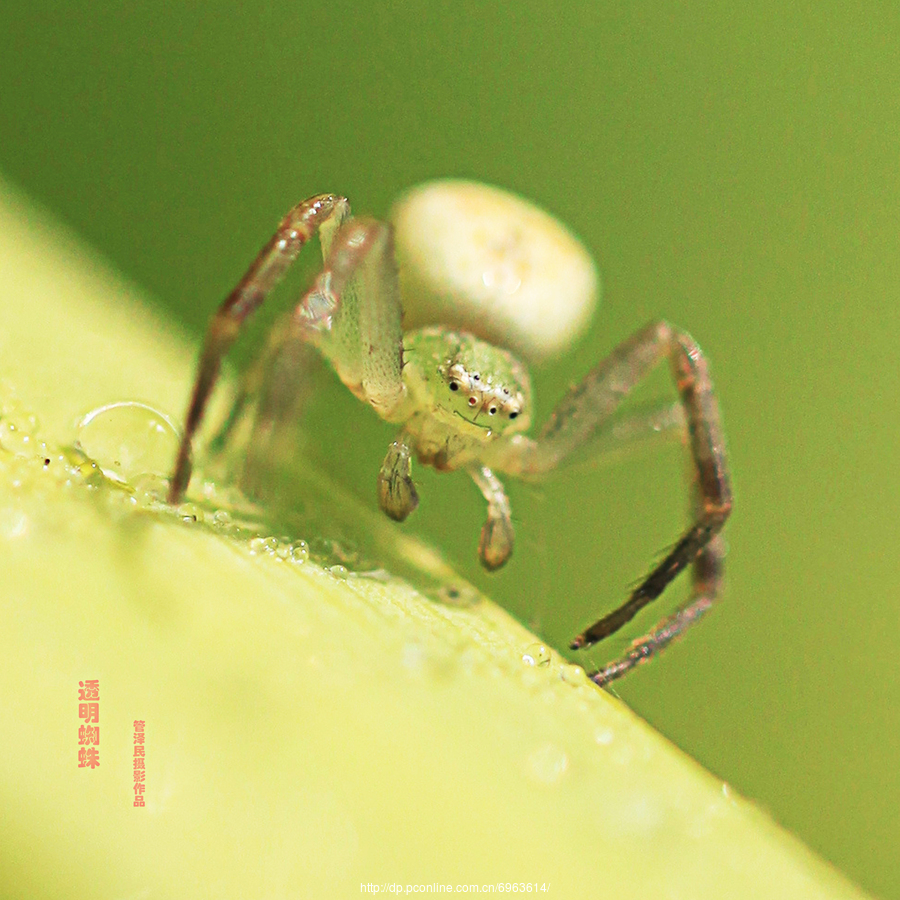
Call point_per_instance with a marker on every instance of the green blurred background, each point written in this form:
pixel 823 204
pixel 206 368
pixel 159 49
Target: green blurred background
pixel 735 168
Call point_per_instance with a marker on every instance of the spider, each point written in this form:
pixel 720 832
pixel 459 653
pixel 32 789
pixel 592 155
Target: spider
pixel 463 402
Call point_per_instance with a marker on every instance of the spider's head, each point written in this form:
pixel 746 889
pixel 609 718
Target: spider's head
pixel 460 385
pixel 484 386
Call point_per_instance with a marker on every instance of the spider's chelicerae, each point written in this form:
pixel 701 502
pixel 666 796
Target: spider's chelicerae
pixel 491 269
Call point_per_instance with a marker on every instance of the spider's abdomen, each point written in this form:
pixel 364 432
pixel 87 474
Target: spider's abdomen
pixel 490 263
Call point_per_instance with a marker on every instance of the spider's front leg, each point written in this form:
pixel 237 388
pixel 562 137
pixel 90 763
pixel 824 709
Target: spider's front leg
pixel 351 315
pixel 578 419
pixel 321 214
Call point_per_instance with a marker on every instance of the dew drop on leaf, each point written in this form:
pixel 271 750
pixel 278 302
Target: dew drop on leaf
pixel 128 439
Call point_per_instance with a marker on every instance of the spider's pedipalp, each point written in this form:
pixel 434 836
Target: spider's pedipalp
pixel 396 490
pixel 497 536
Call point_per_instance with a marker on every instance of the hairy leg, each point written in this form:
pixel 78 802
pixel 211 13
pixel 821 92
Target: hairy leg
pixel 586 412
pixel 713 485
pixel 707 572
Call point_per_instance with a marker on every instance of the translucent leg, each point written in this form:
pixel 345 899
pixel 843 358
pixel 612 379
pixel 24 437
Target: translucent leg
pixel 317 214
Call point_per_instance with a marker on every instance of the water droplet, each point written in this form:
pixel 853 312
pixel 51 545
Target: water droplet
pixel 55 464
pixel 221 518
pixel 573 674
pixel 151 489
pixel 299 552
pixel 547 764
pixel 412 657
pixel 89 472
pixel 128 439
pixel 263 545
pixel 339 572
pixel 459 595
pixel 13 522
pixel 604 735
pixel 190 512
pixel 17 437
pixel 471 660
pixel 536 655
pixel 622 754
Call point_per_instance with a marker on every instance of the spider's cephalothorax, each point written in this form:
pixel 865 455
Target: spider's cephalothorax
pixel 492 270
pixel 464 395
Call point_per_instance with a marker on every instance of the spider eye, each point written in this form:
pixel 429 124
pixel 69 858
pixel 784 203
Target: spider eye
pixel 512 415
pixel 472 401
pixel 492 410
pixel 454 386
pixel 477 377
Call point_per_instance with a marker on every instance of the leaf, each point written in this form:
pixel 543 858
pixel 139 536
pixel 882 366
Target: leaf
pixel 308 733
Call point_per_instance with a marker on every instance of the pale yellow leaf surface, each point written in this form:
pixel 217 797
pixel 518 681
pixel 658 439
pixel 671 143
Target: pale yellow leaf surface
pixel 308 734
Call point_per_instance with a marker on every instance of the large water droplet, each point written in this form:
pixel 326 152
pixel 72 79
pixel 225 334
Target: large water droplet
pixel 129 439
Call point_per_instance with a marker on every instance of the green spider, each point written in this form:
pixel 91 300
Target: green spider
pixel 489 267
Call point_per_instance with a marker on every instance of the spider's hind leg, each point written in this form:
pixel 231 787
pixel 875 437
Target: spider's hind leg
pixel 713 487
pixel 582 420
pixel 707 579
